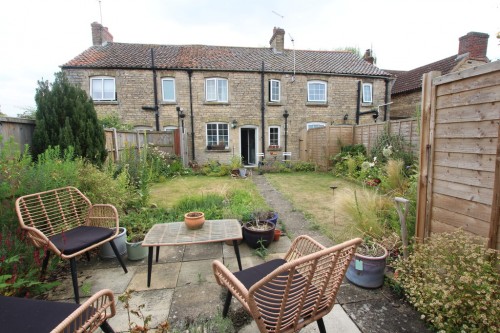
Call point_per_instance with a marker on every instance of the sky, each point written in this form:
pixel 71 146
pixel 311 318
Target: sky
pixel 38 36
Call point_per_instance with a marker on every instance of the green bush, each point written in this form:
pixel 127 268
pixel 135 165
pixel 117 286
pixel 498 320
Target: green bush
pixel 454 282
pixel 392 146
pixel 66 117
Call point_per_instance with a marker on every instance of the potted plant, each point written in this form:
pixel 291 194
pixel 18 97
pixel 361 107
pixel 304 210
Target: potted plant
pixel 367 267
pixel 105 250
pixel 194 220
pixel 258 233
pixel 236 165
pixel 137 226
pixel 270 216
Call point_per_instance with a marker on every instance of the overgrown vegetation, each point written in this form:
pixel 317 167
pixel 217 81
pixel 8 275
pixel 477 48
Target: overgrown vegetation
pixel 454 282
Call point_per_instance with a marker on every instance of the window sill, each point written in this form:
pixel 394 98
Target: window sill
pixel 215 103
pixel 168 103
pixel 217 150
pixel 274 148
pixel 274 104
pixel 324 104
pixel 366 104
pixel 106 102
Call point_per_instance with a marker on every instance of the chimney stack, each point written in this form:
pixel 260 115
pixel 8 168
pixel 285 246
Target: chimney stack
pixel 100 34
pixel 368 56
pixel 278 40
pixel 475 43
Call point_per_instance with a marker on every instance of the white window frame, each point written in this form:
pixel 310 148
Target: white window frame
pixel 311 93
pixel 142 128
pixel 278 135
pixel 219 128
pixel 99 81
pixel 274 90
pixel 216 90
pixel 315 124
pixel 367 98
pixel 166 99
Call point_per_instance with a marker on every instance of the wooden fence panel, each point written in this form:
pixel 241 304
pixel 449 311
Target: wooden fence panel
pixel 461 187
pixel 20 130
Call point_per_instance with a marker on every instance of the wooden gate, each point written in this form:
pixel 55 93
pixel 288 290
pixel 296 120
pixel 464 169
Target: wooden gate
pixel 460 154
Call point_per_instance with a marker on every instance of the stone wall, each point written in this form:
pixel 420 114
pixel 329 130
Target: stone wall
pixel 134 88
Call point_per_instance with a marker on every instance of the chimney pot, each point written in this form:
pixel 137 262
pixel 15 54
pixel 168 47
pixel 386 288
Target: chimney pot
pixel 475 43
pixel 368 56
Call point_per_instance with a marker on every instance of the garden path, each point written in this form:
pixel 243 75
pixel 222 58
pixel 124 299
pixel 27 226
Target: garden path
pixel 373 311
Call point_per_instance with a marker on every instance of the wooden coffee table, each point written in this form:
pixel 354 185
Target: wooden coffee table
pixel 176 233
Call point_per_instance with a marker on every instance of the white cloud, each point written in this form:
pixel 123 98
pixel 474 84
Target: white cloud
pixel 39 36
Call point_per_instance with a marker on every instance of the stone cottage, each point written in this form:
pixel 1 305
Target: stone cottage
pixel 229 100
pixel 406 92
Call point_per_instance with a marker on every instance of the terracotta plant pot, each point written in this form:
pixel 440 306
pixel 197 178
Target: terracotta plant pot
pixel 277 234
pixel 194 220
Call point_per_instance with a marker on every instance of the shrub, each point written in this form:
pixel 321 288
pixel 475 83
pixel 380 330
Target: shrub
pixel 453 281
pixel 66 117
pixel 392 146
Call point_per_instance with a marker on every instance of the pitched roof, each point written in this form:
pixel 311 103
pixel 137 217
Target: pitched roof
pixel 205 57
pixel 411 80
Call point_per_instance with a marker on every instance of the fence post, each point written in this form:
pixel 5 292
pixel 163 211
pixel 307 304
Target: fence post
pixel 403 213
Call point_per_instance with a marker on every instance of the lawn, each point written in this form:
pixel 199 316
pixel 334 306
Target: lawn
pixel 170 192
pixel 309 192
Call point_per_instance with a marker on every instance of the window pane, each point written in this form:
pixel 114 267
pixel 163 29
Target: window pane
pixel 109 89
pixel 211 92
pixel 211 134
pixel 223 134
pixel 274 94
pixel 222 90
pixel 317 92
pixel 96 89
pixel 274 136
pixel 168 90
pixel 367 93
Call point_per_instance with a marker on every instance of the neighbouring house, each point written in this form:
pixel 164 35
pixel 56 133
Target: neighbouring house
pixel 229 100
pixel 406 92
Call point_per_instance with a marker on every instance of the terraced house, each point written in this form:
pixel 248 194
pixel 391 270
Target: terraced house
pixel 230 100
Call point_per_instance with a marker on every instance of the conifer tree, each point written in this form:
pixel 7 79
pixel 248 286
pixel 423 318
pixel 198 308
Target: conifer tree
pixel 65 116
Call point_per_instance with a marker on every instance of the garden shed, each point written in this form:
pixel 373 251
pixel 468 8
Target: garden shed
pixel 460 153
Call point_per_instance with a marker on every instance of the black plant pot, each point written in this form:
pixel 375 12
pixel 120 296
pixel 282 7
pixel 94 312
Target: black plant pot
pixel 254 238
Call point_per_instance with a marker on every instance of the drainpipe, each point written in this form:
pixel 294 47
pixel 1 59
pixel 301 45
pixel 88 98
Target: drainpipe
pixel 386 100
pixel 358 103
pixel 190 75
pixel 262 108
pixel 155 89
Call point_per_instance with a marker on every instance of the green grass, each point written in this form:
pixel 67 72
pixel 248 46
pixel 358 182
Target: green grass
pixel 311 194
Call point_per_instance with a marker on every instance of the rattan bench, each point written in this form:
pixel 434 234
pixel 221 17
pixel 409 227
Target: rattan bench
pixel 65 222
pixel 38 316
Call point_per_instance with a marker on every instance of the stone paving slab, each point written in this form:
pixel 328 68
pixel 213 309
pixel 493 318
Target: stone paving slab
pixel 157 303
pixel 195 273
pixel 202 251
pixel 162 276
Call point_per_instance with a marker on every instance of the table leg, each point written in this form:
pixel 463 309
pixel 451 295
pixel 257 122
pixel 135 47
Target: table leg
pixel 150 264
pixel 157 253
pixel 237 252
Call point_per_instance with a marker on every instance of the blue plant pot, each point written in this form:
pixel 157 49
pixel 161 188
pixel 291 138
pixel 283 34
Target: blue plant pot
pixel 367 272
pixel 274 219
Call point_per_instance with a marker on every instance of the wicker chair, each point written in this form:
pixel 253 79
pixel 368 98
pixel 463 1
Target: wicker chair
pixel 64 221
pixel 284 295
pixel 38 316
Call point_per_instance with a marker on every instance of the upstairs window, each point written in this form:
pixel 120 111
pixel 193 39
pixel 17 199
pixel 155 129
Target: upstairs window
pixel 218 135
pixel 168 89
pixel 216 90
pixel 103 88
pixel 274 91
pixel 367 93
pixel 316 91
pixel 274 136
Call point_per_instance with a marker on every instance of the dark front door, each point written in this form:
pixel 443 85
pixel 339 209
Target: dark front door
pixel 248 146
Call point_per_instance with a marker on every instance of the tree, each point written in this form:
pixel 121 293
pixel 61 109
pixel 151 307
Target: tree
pixel 65 116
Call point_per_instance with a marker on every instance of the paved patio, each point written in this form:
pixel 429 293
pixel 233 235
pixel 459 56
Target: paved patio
pixel 183 287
